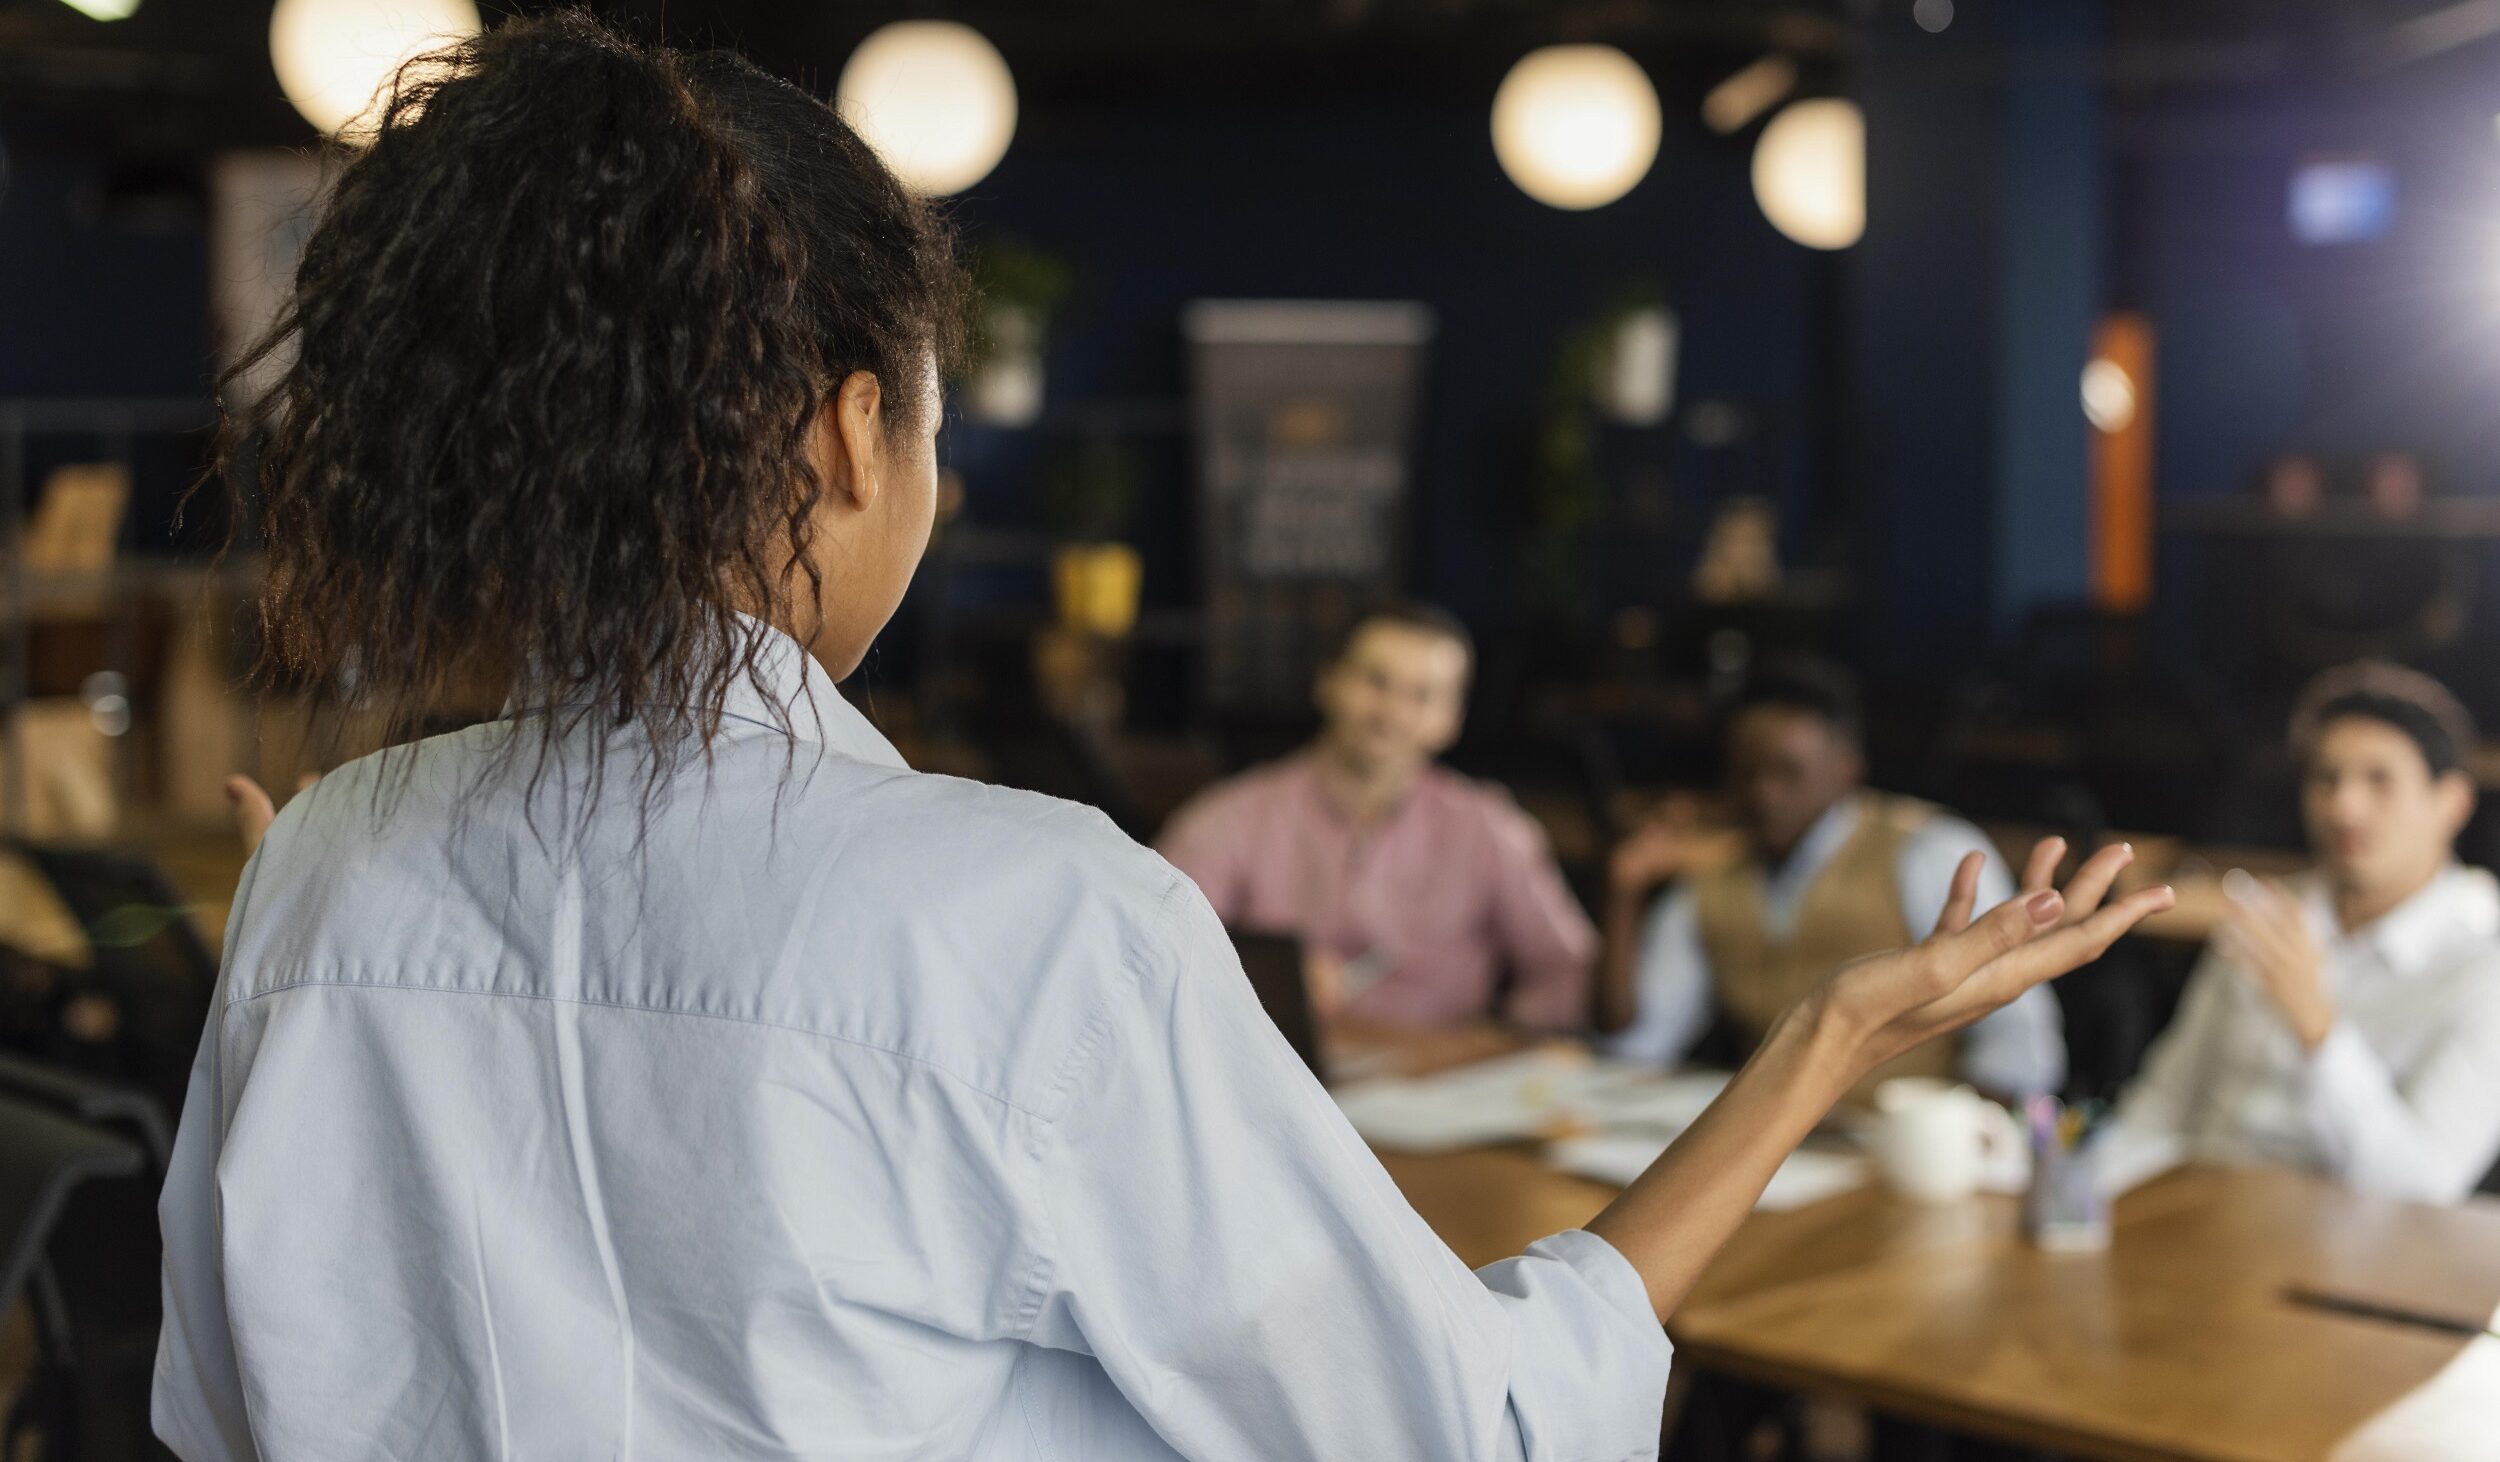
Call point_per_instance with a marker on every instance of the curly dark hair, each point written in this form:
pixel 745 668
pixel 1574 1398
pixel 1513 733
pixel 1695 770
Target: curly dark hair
pixel 557 341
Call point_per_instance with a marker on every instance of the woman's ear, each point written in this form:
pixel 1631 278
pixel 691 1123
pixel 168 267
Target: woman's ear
pixel 850 431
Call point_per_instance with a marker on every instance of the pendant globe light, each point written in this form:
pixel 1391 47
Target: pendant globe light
pixel 334 57
pixel 1576 126
pixel 935 99
pixel 1809 172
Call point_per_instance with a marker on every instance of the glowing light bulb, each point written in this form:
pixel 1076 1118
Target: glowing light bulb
pixel 1576 126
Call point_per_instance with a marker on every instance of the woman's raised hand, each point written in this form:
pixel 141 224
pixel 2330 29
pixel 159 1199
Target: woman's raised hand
pixel 253 808
pixel 1886 1004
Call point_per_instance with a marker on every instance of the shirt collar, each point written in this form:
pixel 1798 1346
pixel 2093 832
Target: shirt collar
pixel 2409 936
pixel 788 693
pixel 1823 838
pixel 1315 784
pixel 795 686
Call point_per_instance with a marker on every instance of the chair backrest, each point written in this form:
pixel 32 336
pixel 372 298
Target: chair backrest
pixel 1274 964
pixel 146 953
pixel 111 1105
pixel 44 1158
pixel 78 1238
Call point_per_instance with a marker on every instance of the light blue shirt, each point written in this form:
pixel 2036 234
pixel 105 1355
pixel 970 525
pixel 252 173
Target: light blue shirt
pixel 845 1112
pixel 2016 1051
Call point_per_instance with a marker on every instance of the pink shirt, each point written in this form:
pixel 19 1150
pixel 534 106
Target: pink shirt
pixel 1451 887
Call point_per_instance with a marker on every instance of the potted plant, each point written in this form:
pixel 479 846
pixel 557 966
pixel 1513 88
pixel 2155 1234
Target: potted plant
pixel 1619 366
pixel 1089 490
pixel 1020 288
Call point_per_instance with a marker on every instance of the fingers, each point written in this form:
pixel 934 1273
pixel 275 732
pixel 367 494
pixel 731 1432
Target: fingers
pixel 2257 942
pixel 2000 930
pixel 253 811
pixel 1963 895
pixel 1324 976
pixel 2283 911
pixel 2078 944
pixel 2264 914
pixel 2040 870
pixel 250 799
pixel 2261 900
pixel 2092 881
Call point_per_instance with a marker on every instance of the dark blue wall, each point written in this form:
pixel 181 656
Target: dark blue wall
pixel 1159 206
pixel 1972 300
pixel 95 301
pixel 104 293
pixel 2267 345
pixel 1158 203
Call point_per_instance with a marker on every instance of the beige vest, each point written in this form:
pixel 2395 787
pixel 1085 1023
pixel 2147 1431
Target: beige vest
pixel 1852 909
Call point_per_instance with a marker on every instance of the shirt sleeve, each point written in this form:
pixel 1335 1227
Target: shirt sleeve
pixel 2020 1050
pixel 197 1404
pixel 1248 1277
pixel 2429 1137
pixel 1545 934
pixel 1207 841
pixel 1671 985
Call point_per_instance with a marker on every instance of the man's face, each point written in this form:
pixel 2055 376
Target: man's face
pixel 1393 701
pixel 2379 821
pixel 1786 767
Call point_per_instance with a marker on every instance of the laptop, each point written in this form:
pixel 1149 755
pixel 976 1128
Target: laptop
pixel 1274 964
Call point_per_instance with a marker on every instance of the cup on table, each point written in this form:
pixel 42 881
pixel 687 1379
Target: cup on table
pixel 1937 1141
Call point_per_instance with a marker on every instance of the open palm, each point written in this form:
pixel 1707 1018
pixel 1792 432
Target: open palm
pixel 1970 967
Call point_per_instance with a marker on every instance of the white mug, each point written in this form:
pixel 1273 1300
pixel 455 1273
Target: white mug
pixel 1939 1141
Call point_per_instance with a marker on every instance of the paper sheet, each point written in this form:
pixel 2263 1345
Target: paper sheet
pixel 1668 1104
pixel 1807 1176
pixel 2452 1417
pixel 1519 1097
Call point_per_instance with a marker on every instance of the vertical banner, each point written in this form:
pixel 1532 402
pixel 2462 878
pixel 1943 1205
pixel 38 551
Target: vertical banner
pixel 1303 414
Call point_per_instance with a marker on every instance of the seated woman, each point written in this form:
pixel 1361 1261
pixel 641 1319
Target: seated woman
pixel 2348 1020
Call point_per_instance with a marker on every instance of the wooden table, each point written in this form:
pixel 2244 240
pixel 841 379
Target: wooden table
pixel 2181 1341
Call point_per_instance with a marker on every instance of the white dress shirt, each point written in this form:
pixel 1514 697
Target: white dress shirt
pixel 2403 1098
pixel 846 1112
pixel 2017 1051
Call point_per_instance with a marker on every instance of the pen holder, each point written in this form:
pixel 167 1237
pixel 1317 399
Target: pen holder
pixel 2064 1210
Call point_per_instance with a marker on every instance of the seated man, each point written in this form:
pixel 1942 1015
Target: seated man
pixel 1825 871
pixel 2348 1021
pixel 1413 887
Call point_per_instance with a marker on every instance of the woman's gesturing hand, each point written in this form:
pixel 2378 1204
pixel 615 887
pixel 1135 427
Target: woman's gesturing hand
pixel 1886 1004
pixel 254 809
pixel 1674 1218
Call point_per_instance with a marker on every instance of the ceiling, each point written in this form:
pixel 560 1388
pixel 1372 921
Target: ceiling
pixel 193 75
